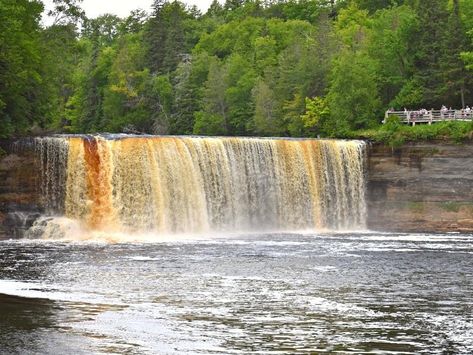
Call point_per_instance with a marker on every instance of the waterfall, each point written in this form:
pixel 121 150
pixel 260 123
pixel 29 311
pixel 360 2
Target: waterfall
pixel 195 184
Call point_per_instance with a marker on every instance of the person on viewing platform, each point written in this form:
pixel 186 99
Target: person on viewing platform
pixel 467 111
pixel 443 111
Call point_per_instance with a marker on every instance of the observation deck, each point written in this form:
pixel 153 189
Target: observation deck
pixel 429 116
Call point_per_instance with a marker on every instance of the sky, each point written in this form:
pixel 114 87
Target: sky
pixel 121 8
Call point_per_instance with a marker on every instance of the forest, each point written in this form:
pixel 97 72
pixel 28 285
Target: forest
pixel 301 68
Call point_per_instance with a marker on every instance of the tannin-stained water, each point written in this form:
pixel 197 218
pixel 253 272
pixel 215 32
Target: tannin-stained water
pixel 196 185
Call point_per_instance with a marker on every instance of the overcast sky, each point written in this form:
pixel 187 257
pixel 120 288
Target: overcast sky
pixel 122 8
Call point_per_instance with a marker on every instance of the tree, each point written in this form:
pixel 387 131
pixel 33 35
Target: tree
pixel 266 120
pixel 353 95
pixel 127 90
pixel 213 118
pixel 317 113
pixel 391 32
pixel 165 36
pixel 85 107
pixel 375 5
pixel 21 101
pixel 426 46
pixel 240 81
pixel 154 37
pixel 455 78
pixel 103 29
pixel 57 71
pixel 160 103
pixel 66 12
pixel 134 23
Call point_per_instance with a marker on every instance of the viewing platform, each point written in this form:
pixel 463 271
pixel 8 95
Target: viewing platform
pixel 429 116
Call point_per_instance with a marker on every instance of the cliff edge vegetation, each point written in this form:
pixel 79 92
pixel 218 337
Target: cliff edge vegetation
pixel 395 134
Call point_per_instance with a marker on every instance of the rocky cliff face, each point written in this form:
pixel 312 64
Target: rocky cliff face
pixel 19 198
pixel 421 187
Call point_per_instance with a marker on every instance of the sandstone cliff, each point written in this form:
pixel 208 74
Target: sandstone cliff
pixel 19 198
pixel 421 187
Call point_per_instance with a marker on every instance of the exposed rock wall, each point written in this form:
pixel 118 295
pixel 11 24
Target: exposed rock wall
pixel 19 198
pixel 421 187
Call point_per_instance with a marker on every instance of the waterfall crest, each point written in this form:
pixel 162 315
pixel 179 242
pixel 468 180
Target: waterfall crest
pixel 193 184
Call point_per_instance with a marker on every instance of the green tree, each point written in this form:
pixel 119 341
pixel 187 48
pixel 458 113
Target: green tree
pixel 213 118
pixel 455 78
pixel 266 119
pixel 316 115
pixel 353 95
pixel 426 46
pixel 21 99
pixel 57 71
pixel 66 12
pixel 390 34
pixel 189 80
pixel 126 91
pixel 165 36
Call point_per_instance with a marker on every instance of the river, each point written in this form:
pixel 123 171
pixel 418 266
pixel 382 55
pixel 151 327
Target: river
pixel 283 293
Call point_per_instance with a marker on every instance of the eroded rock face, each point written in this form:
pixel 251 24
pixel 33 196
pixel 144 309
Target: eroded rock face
pixel 19 198
pixel 422 187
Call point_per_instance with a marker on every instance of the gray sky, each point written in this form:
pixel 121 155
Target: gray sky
pixel 122 8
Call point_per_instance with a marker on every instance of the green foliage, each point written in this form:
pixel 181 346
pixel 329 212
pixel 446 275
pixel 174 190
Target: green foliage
pixel 392 29
pixel 353 96
pixel 66 12
pixel 395 134
pixel 411 95
pixel 317 112
pixel 265 121
pixel 272 68
pixel 467 56
pixel 214 101
pixel 21 102
pixel 209 124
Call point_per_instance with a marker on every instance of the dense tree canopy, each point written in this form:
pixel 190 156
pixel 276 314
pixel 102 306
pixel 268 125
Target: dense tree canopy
pixel 245 67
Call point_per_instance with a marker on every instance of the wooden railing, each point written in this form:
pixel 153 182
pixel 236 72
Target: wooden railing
pixel 426 116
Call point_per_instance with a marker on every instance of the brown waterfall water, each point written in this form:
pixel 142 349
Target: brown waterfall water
pixel 195 185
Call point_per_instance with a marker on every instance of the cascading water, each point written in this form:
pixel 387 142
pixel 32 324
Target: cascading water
pixel 191 184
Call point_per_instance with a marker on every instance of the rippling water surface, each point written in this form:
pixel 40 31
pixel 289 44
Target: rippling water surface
pixel 265 293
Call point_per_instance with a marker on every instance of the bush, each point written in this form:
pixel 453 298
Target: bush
pixel 395 133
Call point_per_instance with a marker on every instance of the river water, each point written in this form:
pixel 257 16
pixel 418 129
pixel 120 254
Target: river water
pixel 239 294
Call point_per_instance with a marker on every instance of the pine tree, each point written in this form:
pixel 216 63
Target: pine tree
pixel 155 37
pixel 427 49
pixel 455 77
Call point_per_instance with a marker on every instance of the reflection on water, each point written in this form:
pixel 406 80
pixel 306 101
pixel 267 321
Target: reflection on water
pixel 272 293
